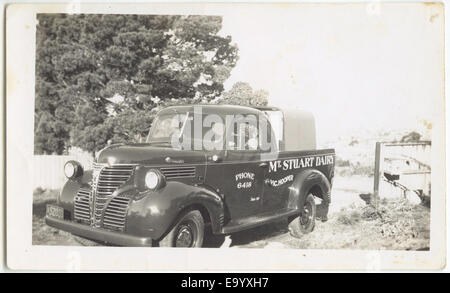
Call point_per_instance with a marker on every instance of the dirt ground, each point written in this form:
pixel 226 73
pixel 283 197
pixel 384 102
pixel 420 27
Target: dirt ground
pixel 396 225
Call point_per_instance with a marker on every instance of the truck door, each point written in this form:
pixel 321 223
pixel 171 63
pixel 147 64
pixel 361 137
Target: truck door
pixel 276 186
pixel 238 175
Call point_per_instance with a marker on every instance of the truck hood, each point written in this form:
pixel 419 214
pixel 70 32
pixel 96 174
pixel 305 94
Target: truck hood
pixel 146 154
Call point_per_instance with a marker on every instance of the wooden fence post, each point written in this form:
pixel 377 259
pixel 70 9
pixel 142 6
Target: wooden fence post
pixel 377 175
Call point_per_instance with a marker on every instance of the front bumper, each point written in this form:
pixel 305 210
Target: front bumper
pixel 116 238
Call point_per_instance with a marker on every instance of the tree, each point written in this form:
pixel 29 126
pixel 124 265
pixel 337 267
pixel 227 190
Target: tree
pixel 48 138
pixel 411 137
pixel 242 93
pixel 98 77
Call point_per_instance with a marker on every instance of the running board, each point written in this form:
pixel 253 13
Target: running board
pixel 261 219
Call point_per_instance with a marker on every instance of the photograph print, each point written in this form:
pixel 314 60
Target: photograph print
pixel 289 127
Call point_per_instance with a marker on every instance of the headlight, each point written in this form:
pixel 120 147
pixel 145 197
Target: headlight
pixel 73 169
pixel 154 179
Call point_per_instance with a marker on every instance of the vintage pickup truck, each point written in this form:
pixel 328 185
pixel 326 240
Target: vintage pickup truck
pixel 203 166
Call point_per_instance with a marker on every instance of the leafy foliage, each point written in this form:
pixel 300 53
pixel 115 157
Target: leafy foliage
pixel 411 137
pixel 100 77
pixel 242 94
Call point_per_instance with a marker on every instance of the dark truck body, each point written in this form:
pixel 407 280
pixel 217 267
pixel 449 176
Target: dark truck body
pixel 233 190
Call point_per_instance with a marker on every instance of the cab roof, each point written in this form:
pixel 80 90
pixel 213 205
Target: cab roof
pixel 212 109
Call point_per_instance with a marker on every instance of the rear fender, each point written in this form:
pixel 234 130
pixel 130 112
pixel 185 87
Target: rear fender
pixel 304 183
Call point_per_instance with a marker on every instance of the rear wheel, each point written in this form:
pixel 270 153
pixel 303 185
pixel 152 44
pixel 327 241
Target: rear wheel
pixel 305 222
pixel 187 232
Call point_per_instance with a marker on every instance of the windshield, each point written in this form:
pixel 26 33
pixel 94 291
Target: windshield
pixel 165 126
pixel 178 130
pixel 207 132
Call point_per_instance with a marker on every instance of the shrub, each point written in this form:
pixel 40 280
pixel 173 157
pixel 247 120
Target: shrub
pixel 349 218
pixel 342 163
pixel 38 191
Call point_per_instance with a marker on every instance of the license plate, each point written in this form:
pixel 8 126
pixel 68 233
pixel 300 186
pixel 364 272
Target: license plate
pixel 55 211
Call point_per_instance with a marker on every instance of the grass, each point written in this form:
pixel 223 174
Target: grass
pixel 349 218
pixel 41 198
pixel 396 225
pixel 43 234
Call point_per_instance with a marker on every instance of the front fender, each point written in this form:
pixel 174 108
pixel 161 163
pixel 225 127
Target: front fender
pixel 303 183
pixel 155 214
pixel 70 189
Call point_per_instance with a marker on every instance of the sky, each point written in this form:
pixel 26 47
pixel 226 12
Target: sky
pixel 355 66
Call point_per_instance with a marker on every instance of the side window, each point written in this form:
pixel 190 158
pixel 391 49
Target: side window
pixel 276 119
pixel 244 137
pixel 251 138
pixel 268 140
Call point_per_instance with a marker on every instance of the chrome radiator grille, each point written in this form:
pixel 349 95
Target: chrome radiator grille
pixel 178 172
pixel 115 213
pixel 106 179
pixel 82 207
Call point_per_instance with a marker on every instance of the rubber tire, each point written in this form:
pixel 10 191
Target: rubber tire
pixel 296 229
pixel 196 217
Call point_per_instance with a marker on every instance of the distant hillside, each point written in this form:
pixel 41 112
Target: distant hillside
pixel 355 152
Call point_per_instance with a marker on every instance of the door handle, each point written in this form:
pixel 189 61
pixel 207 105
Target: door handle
pixel 263 165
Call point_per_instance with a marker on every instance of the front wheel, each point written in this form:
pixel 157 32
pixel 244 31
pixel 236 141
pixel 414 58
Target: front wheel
pixel 187 232
pixel 305 222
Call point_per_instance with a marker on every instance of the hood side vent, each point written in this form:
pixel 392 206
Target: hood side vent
pixel 178 172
